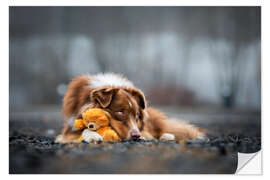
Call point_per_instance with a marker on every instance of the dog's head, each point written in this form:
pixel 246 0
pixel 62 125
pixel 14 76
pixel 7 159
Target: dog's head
pixel 126 106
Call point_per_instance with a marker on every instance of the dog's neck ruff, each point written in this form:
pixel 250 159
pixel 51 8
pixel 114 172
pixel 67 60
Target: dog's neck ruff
pixel 109 79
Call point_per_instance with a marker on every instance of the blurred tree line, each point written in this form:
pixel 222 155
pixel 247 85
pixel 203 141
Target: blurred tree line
pixel 201 55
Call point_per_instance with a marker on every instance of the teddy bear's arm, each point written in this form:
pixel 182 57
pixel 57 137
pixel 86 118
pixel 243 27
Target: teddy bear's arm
pixel 80 139
pixel 109 134
pixel 115 137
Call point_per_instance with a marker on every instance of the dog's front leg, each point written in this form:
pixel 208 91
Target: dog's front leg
pixel 91 136
pixel 167 137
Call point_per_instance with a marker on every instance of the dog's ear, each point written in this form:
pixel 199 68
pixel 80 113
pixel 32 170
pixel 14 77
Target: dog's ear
pixel 103 96
pixel 139 96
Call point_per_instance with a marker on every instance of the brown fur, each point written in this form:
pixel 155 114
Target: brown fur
pixel 77 95
pixel 158 124
pixel 127 107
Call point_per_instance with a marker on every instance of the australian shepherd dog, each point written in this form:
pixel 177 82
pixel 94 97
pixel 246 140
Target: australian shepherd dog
pixel 130 116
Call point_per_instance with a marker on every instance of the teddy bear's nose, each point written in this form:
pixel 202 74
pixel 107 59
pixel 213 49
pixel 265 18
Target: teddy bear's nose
pixel 91 126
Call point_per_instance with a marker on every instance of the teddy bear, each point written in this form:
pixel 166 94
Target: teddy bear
pixel 95 124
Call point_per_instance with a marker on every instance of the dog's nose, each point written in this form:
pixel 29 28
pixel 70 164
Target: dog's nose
pixel 135 134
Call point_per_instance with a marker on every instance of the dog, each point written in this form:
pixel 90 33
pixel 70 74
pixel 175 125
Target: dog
pixel 127 106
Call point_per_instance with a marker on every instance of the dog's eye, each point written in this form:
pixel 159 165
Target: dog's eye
pixel 120 113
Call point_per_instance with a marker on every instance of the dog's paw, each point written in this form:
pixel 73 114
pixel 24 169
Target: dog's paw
pixel 91 136
pixel 167 137
pixel 63 139
pixel 59 139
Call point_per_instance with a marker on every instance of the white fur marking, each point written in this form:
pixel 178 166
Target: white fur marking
pixel 132 128
pixel 109 79
pixel 145 115
pixel 129 103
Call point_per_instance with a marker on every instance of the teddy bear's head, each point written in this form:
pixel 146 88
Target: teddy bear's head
pixel 95 118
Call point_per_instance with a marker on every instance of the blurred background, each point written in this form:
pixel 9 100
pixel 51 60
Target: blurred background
pixel 202 56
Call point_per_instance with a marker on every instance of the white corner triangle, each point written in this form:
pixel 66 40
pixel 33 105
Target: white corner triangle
pixel 249 163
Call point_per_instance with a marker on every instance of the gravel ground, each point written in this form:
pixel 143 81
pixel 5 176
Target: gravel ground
pixel 32 149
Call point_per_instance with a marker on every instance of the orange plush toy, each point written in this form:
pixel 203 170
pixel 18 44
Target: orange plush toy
pixel 96 120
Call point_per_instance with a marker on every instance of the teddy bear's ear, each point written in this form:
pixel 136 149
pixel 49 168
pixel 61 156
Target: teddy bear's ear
pixel 103 96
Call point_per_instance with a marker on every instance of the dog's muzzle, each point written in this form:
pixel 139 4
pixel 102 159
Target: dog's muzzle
pixel 135 134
